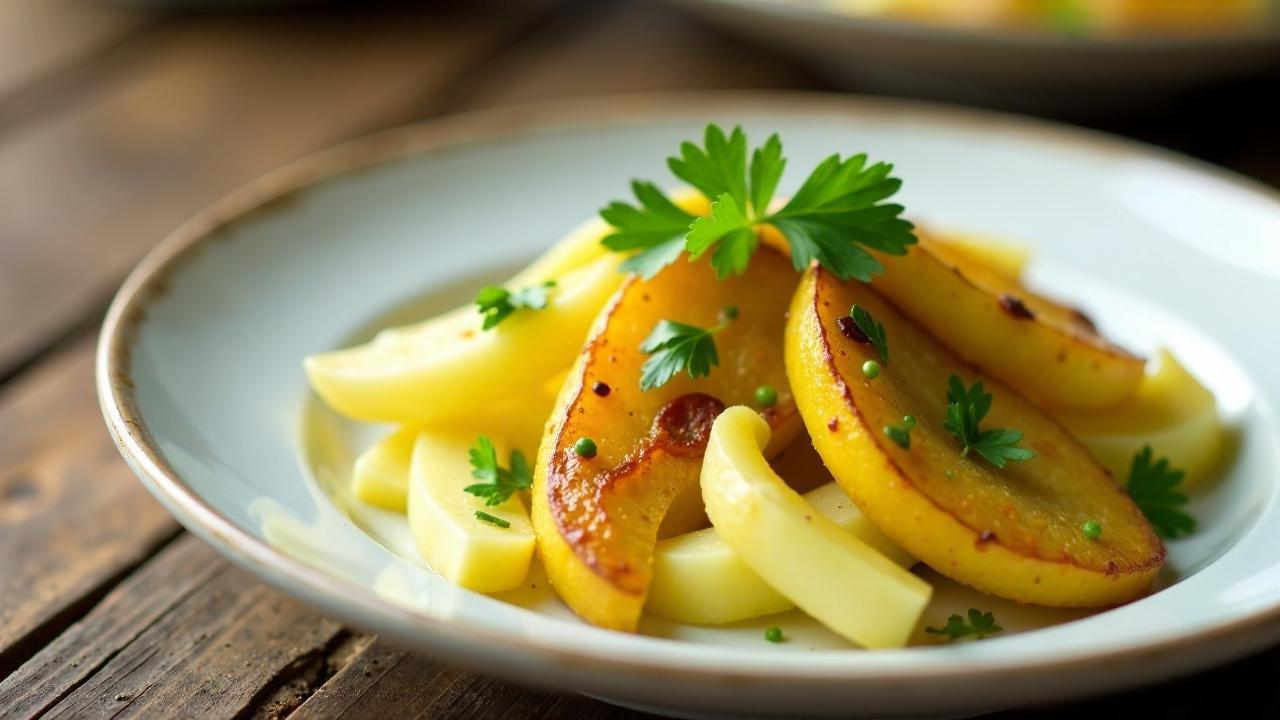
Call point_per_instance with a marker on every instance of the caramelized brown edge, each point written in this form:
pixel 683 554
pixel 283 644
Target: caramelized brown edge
pixel 981 536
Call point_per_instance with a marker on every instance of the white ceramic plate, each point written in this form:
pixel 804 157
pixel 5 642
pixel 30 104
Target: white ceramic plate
pixel 200 380
pixel 1003 67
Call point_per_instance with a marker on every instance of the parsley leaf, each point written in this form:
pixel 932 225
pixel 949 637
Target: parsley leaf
pixel 833 219
pixel 720 168
pixel 980 625
pixel 836 210
pixel 767 165
pixel 966 408
pixel 497 303
pixel 729 232
pixel 1151 485
pixel 673 347
pixel 873 330
pixel 499 483
pixel 657 229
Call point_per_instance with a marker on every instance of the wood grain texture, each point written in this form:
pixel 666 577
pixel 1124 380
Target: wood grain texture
pixel 72 516
pixel 83 648
pixel 187 636
pixel 383 681
pixel 205 104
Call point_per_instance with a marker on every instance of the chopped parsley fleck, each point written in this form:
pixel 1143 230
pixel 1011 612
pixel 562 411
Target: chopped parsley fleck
pixel 499 483
pixel 673 347
pixel 965 410
pixel 873 330
pixel 497 303
pixel 492 519
pixel 1152 486
pixel 979 625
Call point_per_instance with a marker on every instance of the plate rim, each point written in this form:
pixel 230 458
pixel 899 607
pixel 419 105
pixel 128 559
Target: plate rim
pixel 149 280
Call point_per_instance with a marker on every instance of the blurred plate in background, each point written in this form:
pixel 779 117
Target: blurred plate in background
pixel 968 51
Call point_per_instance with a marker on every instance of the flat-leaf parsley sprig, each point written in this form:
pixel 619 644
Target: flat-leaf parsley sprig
pixel 967 408
pixel 980 625
pixel 656 229
pixel 499 483
pixel 836 215
pixel 497 303
pixel 673 347
pixel 1151 485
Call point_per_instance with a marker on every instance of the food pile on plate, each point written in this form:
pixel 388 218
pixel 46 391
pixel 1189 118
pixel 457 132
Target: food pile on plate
pixel 617 407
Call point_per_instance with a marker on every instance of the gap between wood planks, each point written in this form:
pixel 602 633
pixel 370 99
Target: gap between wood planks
pixel 189 635
pixel 73 520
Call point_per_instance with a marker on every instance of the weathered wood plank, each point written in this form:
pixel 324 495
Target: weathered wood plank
pixel 383 681
pixel 40 38
pixel 205 104
pixel 72 516
pixel 125 613
pixel 186 636
pixel 380 679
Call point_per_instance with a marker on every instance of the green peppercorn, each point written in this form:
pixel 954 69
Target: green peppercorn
pixel 909 422
pixel 1092 529
pixel 871 369
pixel 900 436
pixel 773 635
pixel 766 396
pixel 585 447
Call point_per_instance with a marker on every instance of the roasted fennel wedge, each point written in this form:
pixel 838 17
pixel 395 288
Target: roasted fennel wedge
pixel 597 517
pixel 1045 350
pixel 1013 532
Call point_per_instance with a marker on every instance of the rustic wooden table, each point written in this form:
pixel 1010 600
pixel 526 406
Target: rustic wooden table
pixel 116 123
